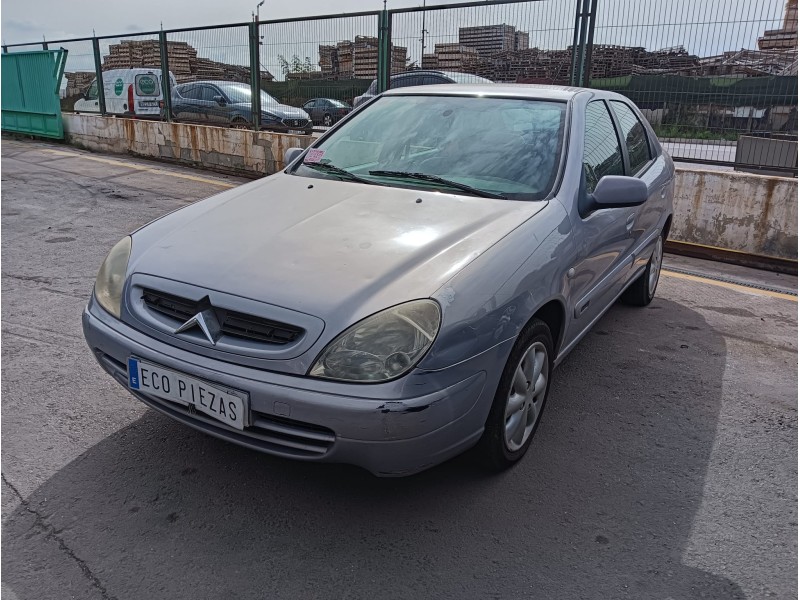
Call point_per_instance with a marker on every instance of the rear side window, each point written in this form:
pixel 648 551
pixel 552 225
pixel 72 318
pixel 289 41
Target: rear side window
pixel 634 134
pixel 601 152
pixel 146 85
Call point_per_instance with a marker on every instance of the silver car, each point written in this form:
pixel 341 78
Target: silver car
pixel 404 289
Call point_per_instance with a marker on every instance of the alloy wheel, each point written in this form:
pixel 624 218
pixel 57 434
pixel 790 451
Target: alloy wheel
pixel 526 397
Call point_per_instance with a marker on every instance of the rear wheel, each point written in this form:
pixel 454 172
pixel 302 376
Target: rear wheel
pixel 520 398
pixel 643 290
pixel 327 120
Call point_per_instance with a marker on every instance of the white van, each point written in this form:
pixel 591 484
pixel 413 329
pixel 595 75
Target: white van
pixel 129 92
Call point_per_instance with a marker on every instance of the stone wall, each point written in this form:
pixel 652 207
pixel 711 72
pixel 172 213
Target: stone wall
pixel 236 151
pixel 756 214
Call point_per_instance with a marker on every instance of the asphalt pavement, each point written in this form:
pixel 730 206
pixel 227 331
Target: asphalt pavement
pixel 665 466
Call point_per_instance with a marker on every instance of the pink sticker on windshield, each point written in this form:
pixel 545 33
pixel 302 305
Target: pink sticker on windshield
pixel 314 156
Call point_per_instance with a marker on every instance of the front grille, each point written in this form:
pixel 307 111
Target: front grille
pixel 232 323
pixel 298 123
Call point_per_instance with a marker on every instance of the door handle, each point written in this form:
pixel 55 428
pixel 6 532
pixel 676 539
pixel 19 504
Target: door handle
pixel 629 222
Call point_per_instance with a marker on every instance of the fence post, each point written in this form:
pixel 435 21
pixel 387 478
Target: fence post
pixel 5 49
pixel 587 61
pixel 578 43
pixel 255 74
pixel 44 46
pixel 384 50
pixel 166 84
pixel 101 90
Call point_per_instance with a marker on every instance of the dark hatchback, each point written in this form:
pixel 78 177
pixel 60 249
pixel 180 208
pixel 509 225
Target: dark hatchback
pixel 326 111
pixel 227 103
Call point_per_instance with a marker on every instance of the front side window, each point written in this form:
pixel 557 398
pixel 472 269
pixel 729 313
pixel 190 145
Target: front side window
pixel 601 152
pixel 634 134
pixel 503 147
pixel 91 93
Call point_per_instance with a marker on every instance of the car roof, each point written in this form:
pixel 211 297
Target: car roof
pixel 215 82
pixel 521 90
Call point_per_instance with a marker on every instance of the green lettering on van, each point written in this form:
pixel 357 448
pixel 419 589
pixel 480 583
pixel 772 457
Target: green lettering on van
pixel 118 85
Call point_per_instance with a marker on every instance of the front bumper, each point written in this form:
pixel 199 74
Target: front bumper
pixel 300 418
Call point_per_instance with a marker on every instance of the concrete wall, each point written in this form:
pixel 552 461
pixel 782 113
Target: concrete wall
pixel 736 211
pixel 237 151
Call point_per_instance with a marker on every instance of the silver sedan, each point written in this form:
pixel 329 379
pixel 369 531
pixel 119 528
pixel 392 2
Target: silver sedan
pixel 404 289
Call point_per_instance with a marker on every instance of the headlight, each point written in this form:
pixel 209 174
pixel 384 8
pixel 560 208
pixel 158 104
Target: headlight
pixel 269 117
pixel 111 277
pixel 383 346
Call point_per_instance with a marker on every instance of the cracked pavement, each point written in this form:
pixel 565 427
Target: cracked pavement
pixel 665 465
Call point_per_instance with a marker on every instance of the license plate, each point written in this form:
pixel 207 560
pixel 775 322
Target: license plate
pixel 223 404
pixel 148 103
pixel 298 131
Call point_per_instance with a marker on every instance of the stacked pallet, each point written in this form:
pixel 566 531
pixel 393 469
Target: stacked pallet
pixel 78 82
pixel 357 59
pixel 184 63
pixel 454 57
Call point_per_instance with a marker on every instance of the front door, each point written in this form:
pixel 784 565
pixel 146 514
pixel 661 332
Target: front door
pixel 603 238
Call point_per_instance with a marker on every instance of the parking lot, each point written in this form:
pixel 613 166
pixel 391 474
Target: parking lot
pixel 665 465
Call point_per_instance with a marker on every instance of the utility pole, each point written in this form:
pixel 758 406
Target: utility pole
pixel 422 57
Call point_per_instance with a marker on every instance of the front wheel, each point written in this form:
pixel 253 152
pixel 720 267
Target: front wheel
pixel 327 120
pixel 642 291
pixel 520 398
pixel 240 124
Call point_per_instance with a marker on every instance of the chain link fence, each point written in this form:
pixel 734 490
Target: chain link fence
pixel 718 81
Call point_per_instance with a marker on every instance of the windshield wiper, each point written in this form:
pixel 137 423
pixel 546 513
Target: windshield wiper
pixel 440 180
pixel 334 170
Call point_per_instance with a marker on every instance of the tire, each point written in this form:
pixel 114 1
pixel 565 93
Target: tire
pixel 642 291
pixel 327 120
pixel 506 439
pixel 240 123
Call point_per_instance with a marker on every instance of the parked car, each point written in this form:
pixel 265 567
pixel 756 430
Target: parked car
pixel 412 78
pixel 405 288
pixel 326 111
pixel 227 103
pixel 128 92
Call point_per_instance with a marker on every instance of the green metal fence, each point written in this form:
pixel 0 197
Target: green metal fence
pixel 30 84
pixel 704 74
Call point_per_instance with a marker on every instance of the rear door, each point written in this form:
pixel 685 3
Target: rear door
pixel 188 104
pixel 311 107
pixel 147 93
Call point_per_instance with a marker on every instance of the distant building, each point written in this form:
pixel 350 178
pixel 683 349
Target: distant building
pixel 521 40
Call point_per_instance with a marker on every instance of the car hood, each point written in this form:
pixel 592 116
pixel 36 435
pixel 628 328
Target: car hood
pixel 336 250
pixel 284 111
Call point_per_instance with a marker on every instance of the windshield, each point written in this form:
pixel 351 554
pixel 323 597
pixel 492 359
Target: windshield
pixel 242 93
pixel 503 147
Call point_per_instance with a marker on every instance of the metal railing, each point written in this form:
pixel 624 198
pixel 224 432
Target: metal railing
pixel 718 81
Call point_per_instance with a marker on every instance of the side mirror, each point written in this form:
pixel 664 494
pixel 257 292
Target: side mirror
pixel 618 191
pixel 219 100
pixel 291 154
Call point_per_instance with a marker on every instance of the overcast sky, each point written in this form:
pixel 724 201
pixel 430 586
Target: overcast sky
pixel 703 27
